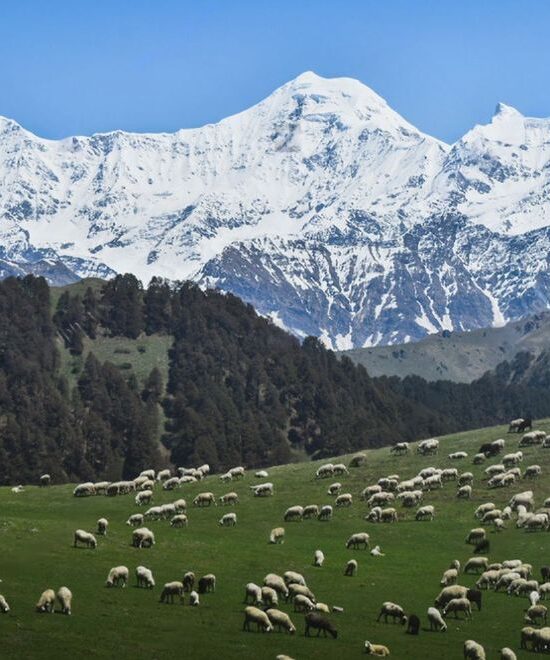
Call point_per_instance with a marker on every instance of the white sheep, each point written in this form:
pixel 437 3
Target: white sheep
pixel 464 492
pixel 448 593
pixel 270 597
pixel 45 480
pixel 102 525
pixel 457 605
pixel 425 512
pixel 204 499
pixel 253 594
pixel 476 564
pixel 476 535
pixel 194 600
pixel 170 590
pixel 346 499
pixel 378 650
pixel 335 488
pixel 325 513
pixel 46 601
pixel 436 620
pixel 318 558
pixel 163 475
pixel 65 599
pixel 143 538
pixel 277 535
pixel 303 603
pixel 293 513
pixel 89 540
pixel 229 498
pixel 261 474
pixel 179 520
pixel 254 615
pixel 450 576
pixel 4 607
pixel 262 490
pixel 310 511
pixel 117 576
pixel 280 620
pixel 325 471
pixel 351 568
pixel 277 583
pixel 392 610
pixel 377 552
pixel 135 519
pixel 228 520
pixel 237 472
pixel 293 577
pixel 143 497
pixel 145 577
pixel 473 650
pixel 507 654
pixel 358 539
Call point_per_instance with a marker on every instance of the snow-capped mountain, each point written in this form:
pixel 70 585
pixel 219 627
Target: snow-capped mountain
pixel 320 205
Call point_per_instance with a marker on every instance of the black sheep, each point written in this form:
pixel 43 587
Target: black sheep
pixel 545 573
pixel 320 623
pixel 526 424
pixel 483 546
pixel 414 625
pixel 474 596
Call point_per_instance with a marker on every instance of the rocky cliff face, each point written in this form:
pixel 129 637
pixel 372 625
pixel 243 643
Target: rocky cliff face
pixel 320 205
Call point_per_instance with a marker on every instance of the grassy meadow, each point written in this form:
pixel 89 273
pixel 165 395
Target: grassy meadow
pixel 36 552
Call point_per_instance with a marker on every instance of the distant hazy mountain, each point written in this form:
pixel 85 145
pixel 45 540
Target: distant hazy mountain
pixel 320 205
pixel 458 356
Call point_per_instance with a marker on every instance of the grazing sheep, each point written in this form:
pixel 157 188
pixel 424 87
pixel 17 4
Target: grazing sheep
pixel 293 513
pixel 277 535
pixel 392 610
pixel 428 447
pixel 163 475
pixel 4 607
pixel 229 498
pixel 351 568
pixel 473 650
pixel 325 471
pixel 171 484
pixel 261 474
pixel 455 564
pixel 388 515
pixel 482 546
pixel 377 552
pixel 254 615
pixel 170 590
pixel 321 624
pixel 374 514
pixel 534 597
pixel 358 539
pixel 180 506
pixel 346 499
pixel 476 535
pixel 194 600
pixel 369 491
pixel 318 558
pixel 339 468
pixel 145 577
pixel 204 499
pixel 253 594
pixel 536 614
pixel 479 459
pixel 117 576
pixel 458 455
pixel 277 583
pixel 425 512
pixel 144 497
pixel 322 607
pixel 464 492
pixel 436 620
pixel 325 513
pixel 457 605
pixel 413 626
pixel 102 525
pixel 448 593
pixel 207 583
pixel 507 654
pixel 310 511
pixel 280 620
pixel 450 577
pixel 269 596
pixel 334 489
pixel 89 540
pixel 237 472
pixel 358 460
pixel 532 472
pixel 228 520
pixel 300 590
pixel 488 579
pixel 143 538
pixel 65 598
pixel 179 520
pixel 188 581
pixel 45 480
pixel 400 448
pixel 541 639
pixel 82 490
pixel 293 577
pixel 476 564
pixel 46 601
pixel 262 490
pixel 376 649
pixel 135 519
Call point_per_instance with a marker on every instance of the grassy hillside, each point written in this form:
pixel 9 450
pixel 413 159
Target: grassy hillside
pixel 36 529
pixel 457 356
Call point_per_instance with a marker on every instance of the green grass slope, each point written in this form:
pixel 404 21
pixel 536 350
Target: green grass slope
pixel 36 530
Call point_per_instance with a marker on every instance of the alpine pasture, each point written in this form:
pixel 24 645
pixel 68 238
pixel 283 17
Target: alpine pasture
pixel 36 541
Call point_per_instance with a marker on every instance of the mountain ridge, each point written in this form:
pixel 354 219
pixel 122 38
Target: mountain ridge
pixel 320 205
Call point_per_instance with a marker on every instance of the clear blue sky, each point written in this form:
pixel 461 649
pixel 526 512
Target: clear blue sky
pixel 80 67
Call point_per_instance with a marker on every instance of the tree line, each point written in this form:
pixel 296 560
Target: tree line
pixel 239 389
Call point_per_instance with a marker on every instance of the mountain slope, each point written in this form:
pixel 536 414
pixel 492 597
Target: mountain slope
pixel 458 356
pixel 320 205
